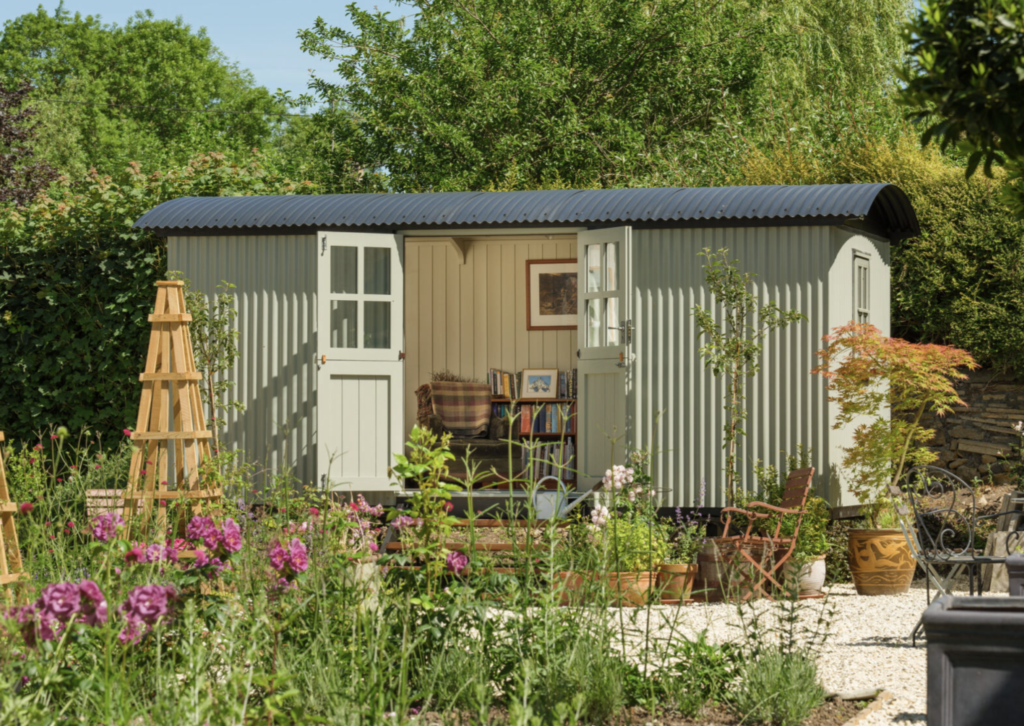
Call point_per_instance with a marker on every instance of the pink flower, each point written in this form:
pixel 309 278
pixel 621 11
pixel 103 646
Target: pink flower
pixel 105 526
pixel 448 506
pixel 297 557
pixel 160 553
pixel 132 633
pixel 314 512
pixel 231 537
pixel 456 562
pixel 38 447
pixel 127 432
pixel 278 556
pixel 53 437
pixel 27 507
pixel 202 559
pixel 135 555
pixel 374 547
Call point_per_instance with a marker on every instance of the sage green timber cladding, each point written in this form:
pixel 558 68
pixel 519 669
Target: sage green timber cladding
pixel 275 376
pixel 674 404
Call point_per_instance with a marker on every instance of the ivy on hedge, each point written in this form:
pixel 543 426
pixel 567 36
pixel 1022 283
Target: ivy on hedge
pixel 77 286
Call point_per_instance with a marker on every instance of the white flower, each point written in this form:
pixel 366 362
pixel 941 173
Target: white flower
pixel 599 515
pixel 1019 427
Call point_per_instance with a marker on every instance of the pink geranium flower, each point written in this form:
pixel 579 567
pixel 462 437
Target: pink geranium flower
pixel 456 562
pixel 105 526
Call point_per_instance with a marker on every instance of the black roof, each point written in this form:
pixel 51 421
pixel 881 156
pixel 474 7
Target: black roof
pixel 884 207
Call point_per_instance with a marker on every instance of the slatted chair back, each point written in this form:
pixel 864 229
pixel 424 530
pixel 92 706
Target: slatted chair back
pixel 11 569
pixel 797 489
pixel 103 501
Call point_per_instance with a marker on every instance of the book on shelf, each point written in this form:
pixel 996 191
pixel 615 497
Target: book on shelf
pixel 510 385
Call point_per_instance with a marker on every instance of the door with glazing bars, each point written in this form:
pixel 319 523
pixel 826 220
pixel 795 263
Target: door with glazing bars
pixel 360 339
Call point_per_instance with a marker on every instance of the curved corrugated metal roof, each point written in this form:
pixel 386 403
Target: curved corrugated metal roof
pixel 885 207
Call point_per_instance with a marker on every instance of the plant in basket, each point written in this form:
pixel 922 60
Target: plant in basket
pixel 883 387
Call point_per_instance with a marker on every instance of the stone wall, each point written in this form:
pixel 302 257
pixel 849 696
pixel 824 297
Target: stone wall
pixel 977 440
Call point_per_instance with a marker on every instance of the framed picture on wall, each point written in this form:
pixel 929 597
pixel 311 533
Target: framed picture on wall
pixel 540 383
pixel 551 295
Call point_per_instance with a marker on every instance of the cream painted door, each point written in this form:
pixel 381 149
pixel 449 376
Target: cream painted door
pixel 604 332
pixel 360 339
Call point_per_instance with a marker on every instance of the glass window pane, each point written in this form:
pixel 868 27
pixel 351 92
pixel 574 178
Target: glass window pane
pixel 611 259
pixel 378 324
pixel 595 324
pixel 343 323
pixel 378 272
pixel 613 321
pixel 593 268
pixel 343 270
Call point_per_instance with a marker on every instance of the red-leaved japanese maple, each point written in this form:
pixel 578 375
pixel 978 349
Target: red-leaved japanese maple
pixel 887 384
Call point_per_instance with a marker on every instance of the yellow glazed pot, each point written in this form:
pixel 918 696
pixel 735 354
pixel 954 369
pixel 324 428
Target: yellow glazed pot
pixel 880 561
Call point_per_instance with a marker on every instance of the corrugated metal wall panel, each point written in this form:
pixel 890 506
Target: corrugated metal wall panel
pixel 275 279
pixel 786 405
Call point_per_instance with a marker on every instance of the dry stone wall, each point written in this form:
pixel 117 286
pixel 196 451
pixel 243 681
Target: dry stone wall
pixel 979 440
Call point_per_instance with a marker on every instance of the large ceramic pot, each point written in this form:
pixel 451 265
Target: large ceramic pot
pixel 880 561
pixel 726 580
pixel 810 579
pixel 676 581
pixel 631 588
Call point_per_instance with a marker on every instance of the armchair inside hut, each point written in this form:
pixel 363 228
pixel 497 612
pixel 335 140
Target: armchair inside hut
pixel 463 409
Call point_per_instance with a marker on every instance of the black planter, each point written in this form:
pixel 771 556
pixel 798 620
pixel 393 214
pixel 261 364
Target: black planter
pixel 975 661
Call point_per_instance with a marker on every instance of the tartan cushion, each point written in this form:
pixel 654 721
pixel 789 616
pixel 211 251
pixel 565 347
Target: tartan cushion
pixel 464 408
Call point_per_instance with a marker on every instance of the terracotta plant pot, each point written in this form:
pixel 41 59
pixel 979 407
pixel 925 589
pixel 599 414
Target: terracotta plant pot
pixel 880 561
pixel 676 581
pixel 810 579
pixel 569 585
pixel 725 580
pixel 631 588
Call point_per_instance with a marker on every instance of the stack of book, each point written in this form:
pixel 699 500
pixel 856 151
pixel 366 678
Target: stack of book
pixel 547 418
pixel 554 459
pixel 503 384
pixel 567 384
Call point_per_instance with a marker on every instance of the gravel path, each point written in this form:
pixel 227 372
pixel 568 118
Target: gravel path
pixel 868 646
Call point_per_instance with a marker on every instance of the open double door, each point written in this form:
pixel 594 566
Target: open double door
pixel 361 367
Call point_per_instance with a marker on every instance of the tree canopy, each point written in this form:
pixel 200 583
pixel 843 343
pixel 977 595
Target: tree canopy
pixel 488 93
pixel 965 82
pixel 151 91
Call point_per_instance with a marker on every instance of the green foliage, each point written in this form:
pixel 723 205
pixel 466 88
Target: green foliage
pixel 426 465
pixel 701 674
pixel 215 349
pixel 632 545
pixel 965 80
pixel 958 283
pixel 150 91
pixel 734 349
pixel 778 689
pixel 837 559
pixel 552 93
pixel 76 289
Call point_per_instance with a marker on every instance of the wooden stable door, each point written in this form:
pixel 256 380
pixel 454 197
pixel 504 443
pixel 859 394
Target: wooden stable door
pixel 604 331
pixel 361 376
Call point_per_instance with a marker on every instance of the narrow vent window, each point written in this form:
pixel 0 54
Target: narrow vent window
pixel 861 287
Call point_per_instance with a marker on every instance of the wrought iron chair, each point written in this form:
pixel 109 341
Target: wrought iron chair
pixel 940 528
pixel 737 550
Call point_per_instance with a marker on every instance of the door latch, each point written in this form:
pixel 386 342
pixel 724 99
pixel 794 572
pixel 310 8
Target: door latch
pixel 323 246
pixel 626 329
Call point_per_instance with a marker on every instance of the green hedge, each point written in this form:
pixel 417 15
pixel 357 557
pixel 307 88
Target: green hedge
pixel 76 287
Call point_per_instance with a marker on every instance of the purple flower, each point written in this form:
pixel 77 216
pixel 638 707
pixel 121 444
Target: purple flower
pixel 104 526
pixel 59 602
pixel 456 562
pixel 202 559
pixel 94 604
pixel 201 528
pixel 148 604
pixel 132 633
pixel 161 553
pixel 297 557
pixel 231 539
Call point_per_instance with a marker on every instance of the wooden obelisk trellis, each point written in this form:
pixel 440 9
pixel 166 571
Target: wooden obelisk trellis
pixel 171 436
pixel 10 553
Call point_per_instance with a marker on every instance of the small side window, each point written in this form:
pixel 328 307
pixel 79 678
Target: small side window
pixel 861 287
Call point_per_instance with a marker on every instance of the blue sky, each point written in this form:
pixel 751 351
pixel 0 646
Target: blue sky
pixel 258 34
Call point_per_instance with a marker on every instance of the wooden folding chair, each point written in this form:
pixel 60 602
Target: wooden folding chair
pixel 737 550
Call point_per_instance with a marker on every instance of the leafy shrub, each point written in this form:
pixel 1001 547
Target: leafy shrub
pixel 837 558
pixel 702 674
pixel 778 689
pixel 76 289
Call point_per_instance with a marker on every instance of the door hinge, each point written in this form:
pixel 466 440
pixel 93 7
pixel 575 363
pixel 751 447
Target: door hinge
pixel 323 246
